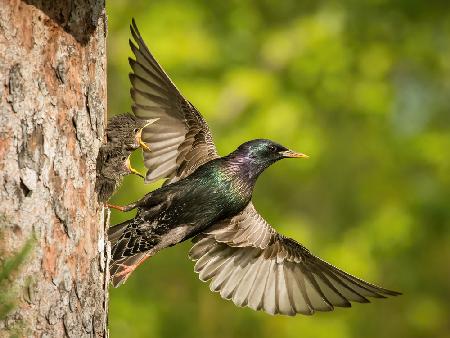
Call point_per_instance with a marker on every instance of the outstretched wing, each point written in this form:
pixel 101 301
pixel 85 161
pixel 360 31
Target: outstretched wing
pixel 248 262
pixel 180 141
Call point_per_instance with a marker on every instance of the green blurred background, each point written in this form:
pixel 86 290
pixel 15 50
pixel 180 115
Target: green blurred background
pixel 363 88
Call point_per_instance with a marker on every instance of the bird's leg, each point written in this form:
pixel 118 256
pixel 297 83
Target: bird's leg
pixel 123 208
pixel 131 169
pixel 126 269
pixel 139 139
pixel 131 206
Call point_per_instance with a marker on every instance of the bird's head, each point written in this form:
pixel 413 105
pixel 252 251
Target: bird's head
pixel 264 152
pixel 117 164
pixel 126 129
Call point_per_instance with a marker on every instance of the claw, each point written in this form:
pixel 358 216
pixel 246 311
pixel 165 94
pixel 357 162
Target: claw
pixel 131 169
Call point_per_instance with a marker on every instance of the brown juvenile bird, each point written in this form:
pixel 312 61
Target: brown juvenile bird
pixel 123 136
pixel 208 197
pixel 125 131
pixel 113 164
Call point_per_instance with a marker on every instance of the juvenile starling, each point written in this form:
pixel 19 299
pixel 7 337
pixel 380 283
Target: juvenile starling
pixel 124 131
pixel 123 136
pixel 208 198
pixel 113 164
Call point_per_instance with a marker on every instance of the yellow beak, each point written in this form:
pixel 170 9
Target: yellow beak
pixel 132 170
pixel 293 154
pixel 139 135
pixel 139 139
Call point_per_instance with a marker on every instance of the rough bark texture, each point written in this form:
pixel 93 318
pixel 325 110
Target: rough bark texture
pixel 52 115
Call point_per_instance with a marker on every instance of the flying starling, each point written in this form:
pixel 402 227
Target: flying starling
pixel 123 136
pixel 208 198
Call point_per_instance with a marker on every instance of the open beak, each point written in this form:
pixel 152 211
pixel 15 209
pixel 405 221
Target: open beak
pixel 139 139
pixel 132 170
pixel 292 154
pixel 139 135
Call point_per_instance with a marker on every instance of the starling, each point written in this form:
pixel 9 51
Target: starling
pixel 208 198
pixel 124 130
pixel 112 165
pixel 123 136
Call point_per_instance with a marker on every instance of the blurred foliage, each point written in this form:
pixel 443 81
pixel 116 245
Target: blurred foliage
pixel 360 86
pixel 8 267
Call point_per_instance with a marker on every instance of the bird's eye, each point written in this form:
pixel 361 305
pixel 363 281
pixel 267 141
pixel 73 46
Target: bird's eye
pixel 136 130
pixel 124 158
pixel 272 148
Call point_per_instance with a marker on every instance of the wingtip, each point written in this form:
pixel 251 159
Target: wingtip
pixel 132 77
pixel 147 179
pixel 393 293
pixel 133 26
pixel 135 32
pixel 362 300
pixel 132 46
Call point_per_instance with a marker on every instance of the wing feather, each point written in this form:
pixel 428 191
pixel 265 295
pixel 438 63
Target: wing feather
pixel 180 141
pixel 248 262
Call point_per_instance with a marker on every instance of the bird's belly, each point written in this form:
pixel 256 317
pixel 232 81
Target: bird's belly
pixel 191 216
pixel 191 212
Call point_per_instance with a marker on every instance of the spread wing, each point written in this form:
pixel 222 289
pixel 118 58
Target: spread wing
pixel 248 262
pixel 180 141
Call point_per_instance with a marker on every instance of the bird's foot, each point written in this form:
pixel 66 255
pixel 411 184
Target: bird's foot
pixel 125 269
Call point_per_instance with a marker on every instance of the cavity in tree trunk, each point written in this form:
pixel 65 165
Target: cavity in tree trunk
pixel 52 115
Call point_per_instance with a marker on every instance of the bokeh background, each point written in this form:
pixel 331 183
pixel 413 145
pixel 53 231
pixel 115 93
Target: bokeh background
pixel 363 87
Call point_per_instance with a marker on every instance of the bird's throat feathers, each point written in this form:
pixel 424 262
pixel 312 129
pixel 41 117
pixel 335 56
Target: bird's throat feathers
pixel 247 168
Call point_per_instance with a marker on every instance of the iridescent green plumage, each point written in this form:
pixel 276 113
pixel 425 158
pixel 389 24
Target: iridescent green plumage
pixel 216 190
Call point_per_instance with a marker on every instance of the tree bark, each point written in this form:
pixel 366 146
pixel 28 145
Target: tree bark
pixel 52 121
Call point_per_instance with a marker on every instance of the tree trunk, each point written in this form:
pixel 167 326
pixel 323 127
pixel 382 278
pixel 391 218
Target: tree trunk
pixel 52 116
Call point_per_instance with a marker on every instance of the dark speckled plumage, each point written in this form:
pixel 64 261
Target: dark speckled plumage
pixel 122 131
pixel 111 168
pixel 208 198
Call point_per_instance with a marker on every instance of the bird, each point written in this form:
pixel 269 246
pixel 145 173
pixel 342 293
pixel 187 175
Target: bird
pixel 124 130
pixel 113 164
pixel 123 136
pixel 208 198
